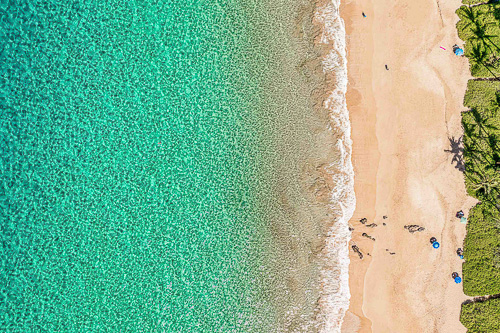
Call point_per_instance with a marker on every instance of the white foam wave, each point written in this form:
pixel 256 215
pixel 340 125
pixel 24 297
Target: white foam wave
pixel 335 294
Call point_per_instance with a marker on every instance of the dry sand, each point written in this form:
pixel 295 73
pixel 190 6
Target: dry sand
pixel 402 120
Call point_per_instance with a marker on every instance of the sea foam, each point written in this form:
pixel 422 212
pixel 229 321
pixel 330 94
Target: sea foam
pixel 335 294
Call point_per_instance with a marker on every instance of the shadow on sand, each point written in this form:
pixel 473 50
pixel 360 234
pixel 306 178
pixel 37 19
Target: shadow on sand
pixel 457 150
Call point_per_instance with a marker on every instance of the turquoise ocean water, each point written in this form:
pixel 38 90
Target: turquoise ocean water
pixel 151 165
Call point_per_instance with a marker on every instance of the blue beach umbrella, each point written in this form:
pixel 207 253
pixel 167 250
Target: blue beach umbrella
pixel 458 279
pixel 435 245
pixel 459 52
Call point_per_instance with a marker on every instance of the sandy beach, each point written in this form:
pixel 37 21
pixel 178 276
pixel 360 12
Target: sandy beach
pixel 402 121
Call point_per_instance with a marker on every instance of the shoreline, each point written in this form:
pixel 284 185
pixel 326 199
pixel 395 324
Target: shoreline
pixel 402 120
pixel 365 147
pixel 329 41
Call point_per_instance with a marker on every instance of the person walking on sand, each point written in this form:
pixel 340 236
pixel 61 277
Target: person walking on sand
pixel 363 14
pixel 386 67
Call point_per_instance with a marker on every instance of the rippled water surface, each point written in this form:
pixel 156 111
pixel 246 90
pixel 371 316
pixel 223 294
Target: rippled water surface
pixel 152 166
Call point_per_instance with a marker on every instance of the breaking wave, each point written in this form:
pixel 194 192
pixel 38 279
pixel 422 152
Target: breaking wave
pixel 335 294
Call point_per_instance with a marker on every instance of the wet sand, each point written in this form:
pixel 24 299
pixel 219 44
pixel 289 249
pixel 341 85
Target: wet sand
pixel 402 122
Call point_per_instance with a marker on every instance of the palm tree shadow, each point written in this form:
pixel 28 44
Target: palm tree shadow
pixel 457 150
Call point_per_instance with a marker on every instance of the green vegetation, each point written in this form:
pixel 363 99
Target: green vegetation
pixel 481 126
pixel 482 317
pixel 482 95
pixel 481 269
pixel 479 28
pixel 473 2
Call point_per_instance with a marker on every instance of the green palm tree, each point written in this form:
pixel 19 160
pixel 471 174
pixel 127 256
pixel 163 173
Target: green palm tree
pixel 480 34
pixel 467 14
pixel 478 158
pixel 493 142
pixel 482 122
pixel 480 132
pixel 470 135
pixel 495 104
pixel 486 185
pixel 470 128
pixel 475 160
pixel 492 216
pixel 487 129
pixel 477 58
pixel 496 14
pixel 474 185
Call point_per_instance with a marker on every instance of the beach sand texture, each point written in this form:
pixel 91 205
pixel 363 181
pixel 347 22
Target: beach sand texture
pixel 402 122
